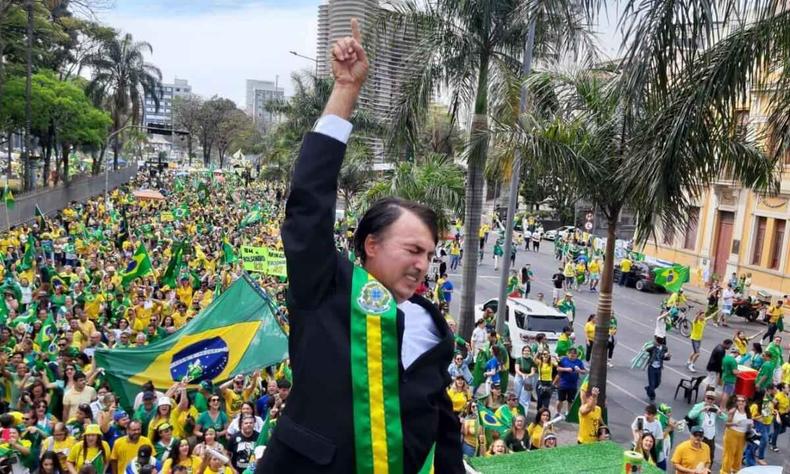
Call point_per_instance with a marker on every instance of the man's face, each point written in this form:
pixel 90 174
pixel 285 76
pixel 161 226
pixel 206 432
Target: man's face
pixel 284 391
pixel 271 387
pixel 247 425
pixel 80 383
pixel 572 355
pixel 133 432
pixel 399 257
pixel 696 440
pixel 650 417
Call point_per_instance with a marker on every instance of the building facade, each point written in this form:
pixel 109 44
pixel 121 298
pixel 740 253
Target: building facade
pixel 162 118
pixel 737 230
pixel 388 52
pixel 259 94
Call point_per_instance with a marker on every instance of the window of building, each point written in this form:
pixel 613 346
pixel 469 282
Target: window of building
pixel 776 244
pixel 690 241
pixel 759 238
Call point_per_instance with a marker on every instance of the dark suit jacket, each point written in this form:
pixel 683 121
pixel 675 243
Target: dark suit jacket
pixel 315 432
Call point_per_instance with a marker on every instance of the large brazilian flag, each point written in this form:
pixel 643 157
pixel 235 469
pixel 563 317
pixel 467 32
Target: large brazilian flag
pixel 237 333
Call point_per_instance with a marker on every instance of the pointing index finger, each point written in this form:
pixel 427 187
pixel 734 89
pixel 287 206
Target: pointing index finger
pixel 355 32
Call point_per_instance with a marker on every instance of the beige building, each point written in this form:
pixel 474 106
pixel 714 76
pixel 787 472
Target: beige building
pixel 738 230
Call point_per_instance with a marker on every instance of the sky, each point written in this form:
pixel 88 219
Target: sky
pixel 217 44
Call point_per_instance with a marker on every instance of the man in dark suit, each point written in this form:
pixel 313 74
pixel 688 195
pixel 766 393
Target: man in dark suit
pixel 369 358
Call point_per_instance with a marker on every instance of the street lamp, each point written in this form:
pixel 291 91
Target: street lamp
pixel 308 58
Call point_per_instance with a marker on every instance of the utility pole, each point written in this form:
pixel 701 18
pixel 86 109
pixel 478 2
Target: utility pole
pixel 515 175
pixel 27 166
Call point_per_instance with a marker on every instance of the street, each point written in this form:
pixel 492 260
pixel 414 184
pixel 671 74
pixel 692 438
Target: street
pixel 636 312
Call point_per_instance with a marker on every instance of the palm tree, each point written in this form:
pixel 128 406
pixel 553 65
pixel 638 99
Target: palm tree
pixel 434 180
pixel 121 80
pixel 356 172
pixel 466 45
pixel 587 112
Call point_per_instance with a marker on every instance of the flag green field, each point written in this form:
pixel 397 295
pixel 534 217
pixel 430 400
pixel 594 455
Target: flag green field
pixel 236 334
pixel 671 278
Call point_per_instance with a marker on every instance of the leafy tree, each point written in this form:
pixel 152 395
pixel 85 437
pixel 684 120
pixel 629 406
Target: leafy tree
pixel 234 126
pixel 213 113
pixel 466 45
pixel 121 79
pixel 356 173
pixel 434 180
pixel 186 115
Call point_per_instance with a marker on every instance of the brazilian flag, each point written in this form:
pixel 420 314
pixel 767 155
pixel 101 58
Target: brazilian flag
pixel 489 420
pixel 671 278
pixel 46 335
pixel 236 334
pixel 252 217
pixel 30 253
pixel 140 266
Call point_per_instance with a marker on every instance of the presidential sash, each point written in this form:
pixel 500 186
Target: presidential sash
pixel 378 434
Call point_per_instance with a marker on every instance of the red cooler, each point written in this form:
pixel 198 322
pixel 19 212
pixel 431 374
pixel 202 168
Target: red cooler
pixel 744 384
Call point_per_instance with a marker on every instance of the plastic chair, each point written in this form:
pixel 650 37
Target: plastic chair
pixel 689 386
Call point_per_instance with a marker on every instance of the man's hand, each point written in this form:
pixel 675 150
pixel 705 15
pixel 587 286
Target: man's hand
pixel 350 69
pixel 349 61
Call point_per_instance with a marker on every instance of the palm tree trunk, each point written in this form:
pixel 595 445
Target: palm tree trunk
pixel 28 165
pixel 475 182
pixel 603 314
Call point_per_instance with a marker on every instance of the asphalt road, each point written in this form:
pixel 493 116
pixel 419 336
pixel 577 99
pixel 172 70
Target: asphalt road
pixel 636 312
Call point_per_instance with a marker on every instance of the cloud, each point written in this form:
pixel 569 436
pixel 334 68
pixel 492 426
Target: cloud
pixel 217 44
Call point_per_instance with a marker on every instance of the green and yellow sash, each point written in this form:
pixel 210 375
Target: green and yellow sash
pixel 378 434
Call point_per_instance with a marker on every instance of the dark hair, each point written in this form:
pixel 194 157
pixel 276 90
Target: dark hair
pixel 727 342
pixel 283 383
pixel 540 413
pixel 383 213
pixel 651 409
pixel 52 456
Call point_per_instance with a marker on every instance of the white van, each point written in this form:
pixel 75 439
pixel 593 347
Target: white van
pixel 526 318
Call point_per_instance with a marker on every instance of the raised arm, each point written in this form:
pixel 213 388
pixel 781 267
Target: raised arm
pixel 308 229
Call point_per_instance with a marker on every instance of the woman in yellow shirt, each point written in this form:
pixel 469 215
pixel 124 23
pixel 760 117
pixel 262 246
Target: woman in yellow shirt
pixel 536 428
pixel 182 457
pixel 589 331
pixel 459 394
pixel 473 436
pixel 92 450
pixel 546 366
pixel 60 443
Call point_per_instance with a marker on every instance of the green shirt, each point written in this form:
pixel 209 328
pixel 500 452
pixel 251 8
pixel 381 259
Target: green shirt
pixel 775 351
pixel 766 375
pixel 728 366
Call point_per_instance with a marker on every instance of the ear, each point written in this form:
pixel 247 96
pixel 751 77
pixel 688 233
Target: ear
pixel 372 246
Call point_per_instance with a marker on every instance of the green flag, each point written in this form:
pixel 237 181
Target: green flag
pixel 174 265
pixel 236 334
pixel 140 266
pixel 252 217
pixel 266 429
pixel 489 420
pixel 227 251
pixel 30 253
pixel 42 220
pixel 671 278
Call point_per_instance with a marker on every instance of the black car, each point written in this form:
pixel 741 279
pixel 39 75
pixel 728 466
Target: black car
pixel 641 277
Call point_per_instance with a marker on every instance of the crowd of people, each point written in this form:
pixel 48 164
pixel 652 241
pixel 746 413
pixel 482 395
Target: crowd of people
pixel 67 293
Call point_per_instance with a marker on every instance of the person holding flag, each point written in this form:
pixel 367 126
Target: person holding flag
pixel 386 394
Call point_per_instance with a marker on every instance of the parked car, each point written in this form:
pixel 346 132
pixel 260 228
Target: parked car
pixel 558 232
pixel 642 276
pixel 525 318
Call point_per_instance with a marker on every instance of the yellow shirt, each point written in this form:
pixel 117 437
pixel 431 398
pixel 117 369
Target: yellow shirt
pixel 757 415
pixel 544 371
pixel 535 432
pixel 697 328
pixel 177 420
pixel 92 308
pixel 625 265
pixel 458 399
pixel 589 330
pixel 124 451
pixel 234 400
pixel 594 267
pixel 741 345
pixel 61 448
pixel 782 403
pixel 192 464
pixel 775 313
pixel 78 459
pixel 786 373
pixel 686 455
pixel 569 271
pixel 588 425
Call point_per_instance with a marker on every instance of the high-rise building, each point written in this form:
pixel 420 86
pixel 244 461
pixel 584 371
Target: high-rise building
pixel 259 94
pixel 387 52
pixel 161 119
